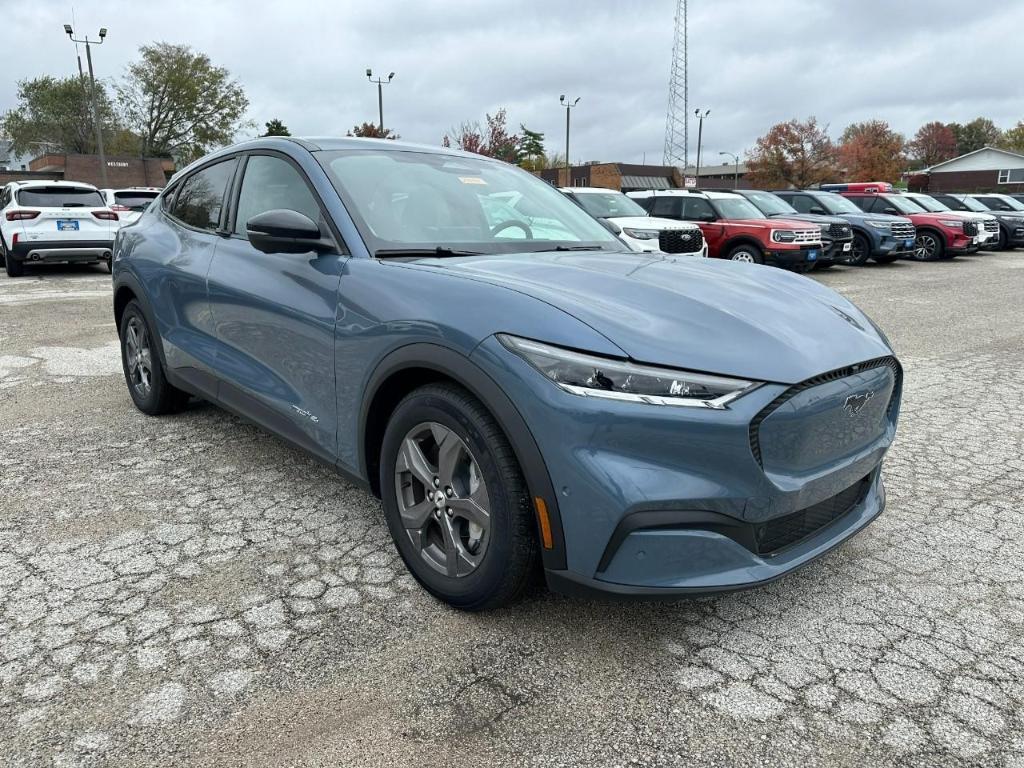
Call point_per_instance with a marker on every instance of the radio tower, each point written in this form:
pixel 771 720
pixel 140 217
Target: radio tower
pixel 677 119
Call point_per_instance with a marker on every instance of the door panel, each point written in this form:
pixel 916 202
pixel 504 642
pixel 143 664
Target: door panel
pixel 274 318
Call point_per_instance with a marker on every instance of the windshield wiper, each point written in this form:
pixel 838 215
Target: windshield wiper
pixel 569 248
pixel 438 252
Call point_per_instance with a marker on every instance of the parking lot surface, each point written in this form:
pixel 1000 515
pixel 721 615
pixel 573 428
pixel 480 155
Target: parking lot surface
pixel 190 591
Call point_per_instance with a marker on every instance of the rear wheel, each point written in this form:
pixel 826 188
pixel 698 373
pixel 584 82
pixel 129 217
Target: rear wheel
pixel 928 247
pixel 143 371
pixel 455 499
pixel 860 251
pixel 12 267
pixel 750 254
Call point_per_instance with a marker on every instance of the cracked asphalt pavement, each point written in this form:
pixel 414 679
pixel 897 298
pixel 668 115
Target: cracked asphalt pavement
pixel 190 591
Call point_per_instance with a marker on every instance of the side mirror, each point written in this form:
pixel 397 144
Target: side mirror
pixel 285 231
pixel 892 211
pixel 707 217
pixel 817 209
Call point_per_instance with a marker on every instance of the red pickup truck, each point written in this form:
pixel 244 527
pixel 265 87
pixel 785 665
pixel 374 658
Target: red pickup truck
pixel 735 229
pixel 939 235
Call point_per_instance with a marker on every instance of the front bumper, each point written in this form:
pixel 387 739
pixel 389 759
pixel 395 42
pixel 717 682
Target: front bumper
pixel 792 257
pixel 891 246
pixel 663 500
pixel 48 252
pixel 837 251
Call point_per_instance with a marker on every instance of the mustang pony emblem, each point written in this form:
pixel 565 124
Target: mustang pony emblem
pixel 855 403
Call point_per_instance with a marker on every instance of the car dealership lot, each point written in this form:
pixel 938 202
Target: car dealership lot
pixel 190 590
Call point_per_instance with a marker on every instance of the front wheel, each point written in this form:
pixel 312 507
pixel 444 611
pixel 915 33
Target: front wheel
pixel 749 254
pixel 1003 244
pixel 860 251
pixel 928 247
pixel 455 499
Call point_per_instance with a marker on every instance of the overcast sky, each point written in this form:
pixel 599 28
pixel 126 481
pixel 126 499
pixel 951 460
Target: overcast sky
pixel 752 62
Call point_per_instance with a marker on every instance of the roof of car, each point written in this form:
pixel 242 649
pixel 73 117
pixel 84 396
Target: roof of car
pixel 691 193
pixel 588 189
pixel 34 183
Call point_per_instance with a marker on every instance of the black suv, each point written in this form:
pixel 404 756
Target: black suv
pixel 836 233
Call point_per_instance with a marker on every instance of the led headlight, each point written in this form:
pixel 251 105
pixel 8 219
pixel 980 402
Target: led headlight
pixel 640 234
pixel 878 224
pixel 783 235
pixel 1013 220
pixel 952 223
pixel 593 376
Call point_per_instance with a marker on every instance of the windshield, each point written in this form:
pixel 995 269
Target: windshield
pixel 902 204
pixel 736 208
pixel 608 205
pixel 834 203
pixel 136 201
pixel 770 204
pixel 60 197
pixel 1002 203
pixel 929 203
pixel 425 200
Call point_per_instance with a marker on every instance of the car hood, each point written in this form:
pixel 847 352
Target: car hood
pixel 861 217
pixel 650 222
pixel 700 314
pixel 817 218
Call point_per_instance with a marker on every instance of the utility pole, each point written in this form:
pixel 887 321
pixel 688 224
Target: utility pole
pixel 92 93
pixel 380 96
pixel 736 168
pixel 700 137
pixel 568 105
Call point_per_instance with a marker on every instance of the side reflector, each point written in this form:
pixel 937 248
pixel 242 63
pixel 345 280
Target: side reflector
pixel 545 523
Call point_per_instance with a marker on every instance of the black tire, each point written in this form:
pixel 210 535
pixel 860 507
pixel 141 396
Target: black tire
pixel 159 397
pixel 928 246
pixel 12 267
pixel 1003 244
pixel 860 251
pixel 511 557
pixel 746 253
pixel 108 265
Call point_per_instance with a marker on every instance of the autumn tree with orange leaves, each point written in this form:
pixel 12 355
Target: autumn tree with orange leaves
pixel 794 154
pixel 872 151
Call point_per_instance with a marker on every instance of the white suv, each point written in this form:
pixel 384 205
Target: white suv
pixel 54 221
pixel 129 203
pixel 634 226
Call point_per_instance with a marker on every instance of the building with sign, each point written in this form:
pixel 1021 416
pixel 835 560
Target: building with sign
pixel 122 170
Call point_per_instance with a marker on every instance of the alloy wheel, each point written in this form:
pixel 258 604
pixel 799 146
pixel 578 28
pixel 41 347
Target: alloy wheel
pixel 744 256
pixel 926 247
pixel 138 356
pixel 442 499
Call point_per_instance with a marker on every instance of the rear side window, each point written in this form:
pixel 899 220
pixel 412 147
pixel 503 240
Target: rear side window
pixel 864 203
pixel 201 199
pixel 60 197
pixel 667 206
pixel 269 184
pixel 136 201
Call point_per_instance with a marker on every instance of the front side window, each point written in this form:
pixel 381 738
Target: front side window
pixel 201 199
pixel 424 200
pixel 608 205
pixel 901 204
pixel 667 206
pixel 60 197
pixel 999 203
pixel 271 183
pixel 698 209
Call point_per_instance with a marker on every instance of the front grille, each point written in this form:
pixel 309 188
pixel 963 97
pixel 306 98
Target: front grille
pixel 991 225
pixel 680 240
pixel 840 231
pixel 782 532
pixel 807 235
pixel 970 228
pixel 839 373
pixel 904 231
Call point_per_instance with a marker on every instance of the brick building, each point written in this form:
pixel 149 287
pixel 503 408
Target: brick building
pixel 627 177
pixel 122 170
pixel 985 170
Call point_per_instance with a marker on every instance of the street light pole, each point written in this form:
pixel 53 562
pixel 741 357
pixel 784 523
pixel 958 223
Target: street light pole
pixel 700 136
pixel 736 171
pixel 568 105
pixel 380 96
pixel 92 94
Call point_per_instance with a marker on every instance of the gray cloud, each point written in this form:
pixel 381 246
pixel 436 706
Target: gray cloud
pixel 752 62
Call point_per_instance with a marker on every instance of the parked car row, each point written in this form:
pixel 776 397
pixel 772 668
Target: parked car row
pixel 64 221
pixel 853 223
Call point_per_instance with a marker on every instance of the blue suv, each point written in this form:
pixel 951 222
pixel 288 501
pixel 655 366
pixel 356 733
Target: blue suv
pixel 878 236
pixel 517 388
